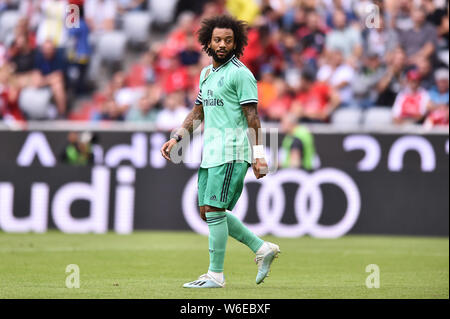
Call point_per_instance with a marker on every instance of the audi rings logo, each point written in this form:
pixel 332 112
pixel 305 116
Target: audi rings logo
pixel 308 204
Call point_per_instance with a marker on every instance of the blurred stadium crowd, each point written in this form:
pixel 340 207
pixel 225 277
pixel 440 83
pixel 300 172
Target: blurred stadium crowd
pixel 324 61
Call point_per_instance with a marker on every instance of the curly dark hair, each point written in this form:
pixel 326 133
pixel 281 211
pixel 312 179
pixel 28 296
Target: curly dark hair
pixel 239 28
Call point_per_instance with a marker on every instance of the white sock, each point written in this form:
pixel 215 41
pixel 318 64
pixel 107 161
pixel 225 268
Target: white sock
pixel 263 248
pixel 218 276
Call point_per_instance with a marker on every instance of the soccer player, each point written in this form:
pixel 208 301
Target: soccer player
pixel 227 103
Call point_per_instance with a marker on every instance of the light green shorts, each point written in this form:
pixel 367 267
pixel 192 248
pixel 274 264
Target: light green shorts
pixel 221 186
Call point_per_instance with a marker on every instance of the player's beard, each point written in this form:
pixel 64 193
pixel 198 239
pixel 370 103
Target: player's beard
pixel 221 60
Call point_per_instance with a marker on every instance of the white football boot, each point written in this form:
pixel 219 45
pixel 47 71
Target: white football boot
pixel 264 258
pixel 205 281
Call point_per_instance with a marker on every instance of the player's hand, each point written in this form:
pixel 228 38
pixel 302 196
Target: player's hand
pixel 167 147
pixel 260 168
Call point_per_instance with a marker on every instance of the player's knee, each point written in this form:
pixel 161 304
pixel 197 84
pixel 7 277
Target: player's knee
pixel 205 209
pixel 212 209
pixel 203 213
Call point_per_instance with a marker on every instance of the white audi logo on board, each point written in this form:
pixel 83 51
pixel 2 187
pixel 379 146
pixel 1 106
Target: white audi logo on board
pixel 271 202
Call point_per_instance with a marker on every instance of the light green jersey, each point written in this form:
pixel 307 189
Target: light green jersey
pixel 223 92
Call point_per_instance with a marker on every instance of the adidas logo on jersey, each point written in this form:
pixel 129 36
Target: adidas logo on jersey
pixel 213 197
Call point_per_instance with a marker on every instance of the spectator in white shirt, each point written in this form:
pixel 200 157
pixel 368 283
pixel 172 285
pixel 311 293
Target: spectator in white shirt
pixel 173 113
pixel 52 26
pixel 339 75
pixel 100 15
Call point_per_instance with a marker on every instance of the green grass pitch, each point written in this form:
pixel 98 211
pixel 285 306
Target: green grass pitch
pixel 156 264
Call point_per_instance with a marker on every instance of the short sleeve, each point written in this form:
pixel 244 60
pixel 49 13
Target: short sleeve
pixel 246 87
pixel 199 99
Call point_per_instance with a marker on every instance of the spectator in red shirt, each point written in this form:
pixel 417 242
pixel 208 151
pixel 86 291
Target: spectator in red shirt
pixel 437 117
pixel 439 96
pixel 177 40
pixel 143 72
pixel 9 108
pixel 261 50
pixel 412 102
pixel 282 103
pixel 176 78
pixel 315 100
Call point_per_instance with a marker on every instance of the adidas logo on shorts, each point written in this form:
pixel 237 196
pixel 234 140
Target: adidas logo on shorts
pixel 213 197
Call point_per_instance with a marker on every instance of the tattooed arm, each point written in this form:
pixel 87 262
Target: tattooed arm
pixel 259 165
pixel 191 122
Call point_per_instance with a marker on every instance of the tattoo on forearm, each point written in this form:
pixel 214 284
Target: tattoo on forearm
pixel 251 114
pixel 193 119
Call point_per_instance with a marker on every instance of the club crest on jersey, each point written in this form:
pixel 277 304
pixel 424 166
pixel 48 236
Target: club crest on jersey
pixel 221 82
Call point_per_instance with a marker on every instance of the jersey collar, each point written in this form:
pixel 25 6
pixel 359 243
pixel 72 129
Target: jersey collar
pixel 215 70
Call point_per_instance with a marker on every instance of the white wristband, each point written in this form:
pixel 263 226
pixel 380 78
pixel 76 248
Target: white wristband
pixel 258 151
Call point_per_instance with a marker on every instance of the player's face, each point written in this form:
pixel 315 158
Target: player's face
pixel 222 44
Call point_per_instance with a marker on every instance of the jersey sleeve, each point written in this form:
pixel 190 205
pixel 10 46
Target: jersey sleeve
pixel 246 87
pixel 199 99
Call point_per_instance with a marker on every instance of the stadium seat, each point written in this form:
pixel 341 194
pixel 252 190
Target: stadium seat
pixel 162 11
pixel 35 103
pixel 8 21
pixel 378 116
pixel 137 26
pixel 347 116
pixel 111 46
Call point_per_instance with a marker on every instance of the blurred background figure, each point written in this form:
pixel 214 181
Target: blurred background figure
pixel 344 38
pixel 52 23
pixel 147 108
pixel 439 96
pixel 100 15
pixel 298 144
pixel 393 78
pixel 412 102
pixel 130 5
pixel 339 75
pixel 173 113
pixel 382 40
pixel 315 100
pixel 78 151
pixel 420 41
pixel 51 66
pixel 79 53
pixel 364 85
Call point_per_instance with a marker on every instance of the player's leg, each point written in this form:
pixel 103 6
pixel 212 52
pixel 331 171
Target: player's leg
pixel 265 252
pixel 236 228
pixel 216 219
